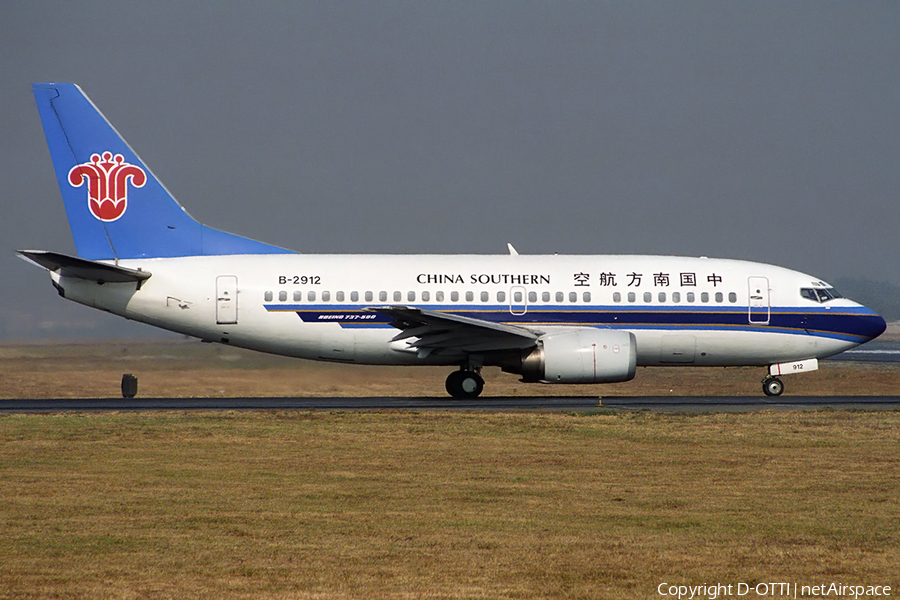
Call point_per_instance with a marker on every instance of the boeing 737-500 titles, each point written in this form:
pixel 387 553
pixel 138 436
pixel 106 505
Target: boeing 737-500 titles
pixel 550 319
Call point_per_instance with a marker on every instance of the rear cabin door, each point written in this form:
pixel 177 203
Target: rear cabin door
pixel 759 300
pixel 226 300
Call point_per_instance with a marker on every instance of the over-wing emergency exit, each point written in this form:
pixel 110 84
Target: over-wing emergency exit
pixel 550 319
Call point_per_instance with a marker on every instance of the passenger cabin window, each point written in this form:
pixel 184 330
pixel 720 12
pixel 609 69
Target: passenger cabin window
pixel 501 296
pixel 410 296
pixel 690 297
pixel 676 297
pixel 326 296
pixel 820 294
pixel 398 296
pixel 282 296
pixel 268 296
pixel 426 296
pixel 517 297
pixel 560 296
pixel 631 297
pixel 485 296
pixel 719 297
pixel 732 297
pixel 662 296
pixel 573 296
pixel 298 296
pixel 311 296
pixel 586 296
pixel 354 296
pixel 339 296
pixel 648 297
pixel 439 296
pixel 369 296
pixel 532 297
pixel 454 296
pixel 545 296
pixel 382 296
pixel 470 296
pixel 704 296
pixel 617 296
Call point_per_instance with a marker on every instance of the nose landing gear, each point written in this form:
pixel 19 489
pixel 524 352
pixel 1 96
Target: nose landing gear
pixel 464 384
pixel 772 386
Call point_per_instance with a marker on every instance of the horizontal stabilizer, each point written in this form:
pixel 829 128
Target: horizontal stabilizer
pixel 69 266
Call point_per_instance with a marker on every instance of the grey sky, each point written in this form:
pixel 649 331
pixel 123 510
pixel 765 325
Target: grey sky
pixel 761 130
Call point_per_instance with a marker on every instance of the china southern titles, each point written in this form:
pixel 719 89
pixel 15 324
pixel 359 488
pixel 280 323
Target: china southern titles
pixel 485 278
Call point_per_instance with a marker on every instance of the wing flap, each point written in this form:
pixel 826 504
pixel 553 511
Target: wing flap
pixel 434 332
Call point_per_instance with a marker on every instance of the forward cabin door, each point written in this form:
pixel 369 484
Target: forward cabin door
pixel 226 300
pixel 759 300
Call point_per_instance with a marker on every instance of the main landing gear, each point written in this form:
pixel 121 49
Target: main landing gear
pixel 464 384
pixel 772 386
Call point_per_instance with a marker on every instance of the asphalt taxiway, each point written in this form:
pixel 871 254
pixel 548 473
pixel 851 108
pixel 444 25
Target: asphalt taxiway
pixel 686 404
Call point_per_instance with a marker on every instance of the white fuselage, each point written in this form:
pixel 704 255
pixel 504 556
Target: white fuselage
pixel 682 311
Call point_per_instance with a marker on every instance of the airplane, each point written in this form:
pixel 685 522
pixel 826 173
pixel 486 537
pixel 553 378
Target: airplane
pixel 548 318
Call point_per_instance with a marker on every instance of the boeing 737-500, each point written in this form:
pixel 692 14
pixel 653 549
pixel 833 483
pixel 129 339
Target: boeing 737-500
pixel 549 319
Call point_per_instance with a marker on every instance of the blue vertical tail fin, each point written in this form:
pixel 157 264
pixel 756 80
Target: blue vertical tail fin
pixel 117 208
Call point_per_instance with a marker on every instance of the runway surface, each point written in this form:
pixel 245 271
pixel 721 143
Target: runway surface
pixel 691 404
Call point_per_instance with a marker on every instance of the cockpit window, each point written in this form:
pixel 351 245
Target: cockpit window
pixel 820 294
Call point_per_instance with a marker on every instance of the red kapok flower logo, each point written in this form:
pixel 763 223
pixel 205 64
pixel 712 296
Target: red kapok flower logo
pixel 107 183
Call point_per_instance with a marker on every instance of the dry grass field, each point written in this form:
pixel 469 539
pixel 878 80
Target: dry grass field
pixel 193 369
pixel 437 505
pixel 409 504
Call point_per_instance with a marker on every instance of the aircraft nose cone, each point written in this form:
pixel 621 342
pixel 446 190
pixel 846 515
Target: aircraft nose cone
pixel 873 326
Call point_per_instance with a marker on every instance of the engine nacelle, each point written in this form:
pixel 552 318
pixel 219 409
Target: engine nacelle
pixel 582 356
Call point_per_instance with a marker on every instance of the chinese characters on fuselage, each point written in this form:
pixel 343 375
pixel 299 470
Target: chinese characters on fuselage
pixel 634 279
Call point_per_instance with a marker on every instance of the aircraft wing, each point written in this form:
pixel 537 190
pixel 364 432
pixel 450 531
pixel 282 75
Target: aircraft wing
pixel 442 333
pixel 70 266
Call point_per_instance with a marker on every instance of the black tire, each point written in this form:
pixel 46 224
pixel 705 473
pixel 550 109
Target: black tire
pixel 464 385
pixel 452 384
pixel 772 386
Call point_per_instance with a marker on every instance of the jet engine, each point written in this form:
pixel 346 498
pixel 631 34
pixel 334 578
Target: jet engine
pixel 581 356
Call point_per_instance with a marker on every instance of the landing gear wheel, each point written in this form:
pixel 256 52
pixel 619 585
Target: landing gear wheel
pixel 772 386
pixel 464 384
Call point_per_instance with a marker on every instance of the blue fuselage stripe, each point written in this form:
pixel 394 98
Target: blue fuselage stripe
pixel 850 324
